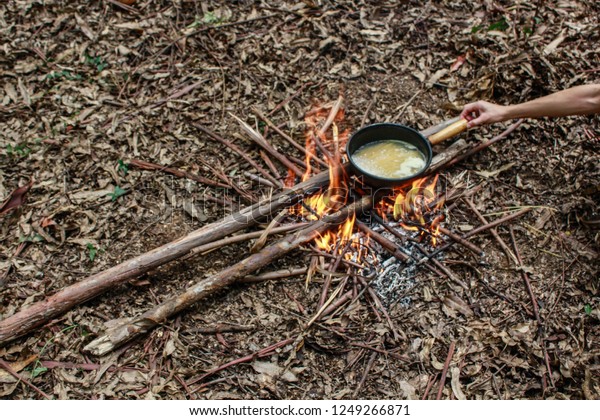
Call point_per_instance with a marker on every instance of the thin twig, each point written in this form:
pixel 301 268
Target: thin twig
pixel 4 365
pixel 430 383
pixel 536 311
pixel 178 173
pixel 221 328
pixel 332 114
pixel 534 304
pixel 262 142
pixel 267 351
pixel 288 138
pixel 445 370
pixel 273 275
pixel 241 238
pixel 239 152
pixel 289 98
pixel 365 373
pixel 493 231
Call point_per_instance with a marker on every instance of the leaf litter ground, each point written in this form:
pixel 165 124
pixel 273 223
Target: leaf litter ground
pixel 88 88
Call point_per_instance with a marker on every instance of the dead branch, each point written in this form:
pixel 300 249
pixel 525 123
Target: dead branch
pixel 261 353
pixel 221 328
pixel 534 303
pixel 536 309
pixel 365 374
pixel 121 334
pixel 262 142
pixel 240 152
pixel 445 370
pixel 288 138
pixel 273 275
pixel 462 241
pixel 496 222
pixel 206 248
pixel 41 312
pixel 180 174
pixel 493 231
pixel 4 365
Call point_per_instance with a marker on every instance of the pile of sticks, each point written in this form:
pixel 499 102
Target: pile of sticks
pixel 216 235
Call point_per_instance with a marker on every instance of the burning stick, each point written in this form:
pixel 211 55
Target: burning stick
pixel 390 246
pixel 121 334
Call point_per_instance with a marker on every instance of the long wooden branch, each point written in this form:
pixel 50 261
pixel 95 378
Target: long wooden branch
pixel 121 334
pixel 41 312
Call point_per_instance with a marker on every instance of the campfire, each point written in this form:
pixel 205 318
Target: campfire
pixel 364 241
pixel 410 213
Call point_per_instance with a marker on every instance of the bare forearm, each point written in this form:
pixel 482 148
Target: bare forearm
pixel 579 100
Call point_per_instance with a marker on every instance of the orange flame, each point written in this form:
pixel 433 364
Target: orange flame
pixel 417 208
pixel 340 240
pixel 336 194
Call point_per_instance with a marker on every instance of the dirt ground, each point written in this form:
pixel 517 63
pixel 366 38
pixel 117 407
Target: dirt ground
pixel 88 87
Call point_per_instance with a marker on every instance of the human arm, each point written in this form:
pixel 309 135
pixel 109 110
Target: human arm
pixel 578 100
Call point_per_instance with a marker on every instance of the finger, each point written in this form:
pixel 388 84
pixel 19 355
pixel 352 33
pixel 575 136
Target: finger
pixel 480 120
pixel 470 111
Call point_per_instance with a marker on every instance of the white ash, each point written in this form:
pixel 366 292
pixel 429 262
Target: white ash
pixel 395 277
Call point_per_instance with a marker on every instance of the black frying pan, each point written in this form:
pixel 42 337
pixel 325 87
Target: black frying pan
pixel 389 131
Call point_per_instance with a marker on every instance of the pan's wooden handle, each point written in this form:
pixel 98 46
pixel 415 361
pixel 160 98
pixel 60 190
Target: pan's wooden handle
pixel 450 131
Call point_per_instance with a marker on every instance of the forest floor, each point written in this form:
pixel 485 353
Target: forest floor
pixel 88 87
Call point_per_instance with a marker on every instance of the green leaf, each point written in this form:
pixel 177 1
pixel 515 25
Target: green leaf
pixel 476 28
pixel 588 309
pixel 117 193
pixel 97 62
pixel 123 167
pixel 210 17
pixel 35 238
pixel 92 251
pixel 500 25
pixel 38 371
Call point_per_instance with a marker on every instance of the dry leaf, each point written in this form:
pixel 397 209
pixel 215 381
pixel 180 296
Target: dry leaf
pixel 460 60
pixel 492 174
pixel 455 383
pixel 15 199
pixel 551 47
pixel 7 378
pixel 24 92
